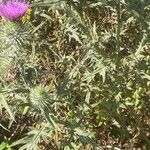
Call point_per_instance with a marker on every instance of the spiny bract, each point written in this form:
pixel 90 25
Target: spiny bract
pixel 13 33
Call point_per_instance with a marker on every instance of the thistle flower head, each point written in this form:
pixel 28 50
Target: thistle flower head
pixel 13 9
pixel 39 96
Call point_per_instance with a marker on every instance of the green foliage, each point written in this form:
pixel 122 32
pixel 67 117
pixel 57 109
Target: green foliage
pixel 77 76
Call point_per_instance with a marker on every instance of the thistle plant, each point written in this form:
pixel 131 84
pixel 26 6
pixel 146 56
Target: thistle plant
pixel 82 81
pixel 13 31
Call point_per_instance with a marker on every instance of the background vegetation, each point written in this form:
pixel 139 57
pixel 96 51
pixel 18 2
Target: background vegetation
pixel 76 76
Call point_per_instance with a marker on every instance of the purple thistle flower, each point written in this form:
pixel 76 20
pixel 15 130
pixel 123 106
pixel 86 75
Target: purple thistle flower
pixel 13 9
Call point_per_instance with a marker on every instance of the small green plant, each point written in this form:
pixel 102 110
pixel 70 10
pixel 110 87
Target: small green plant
pixel 4 146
